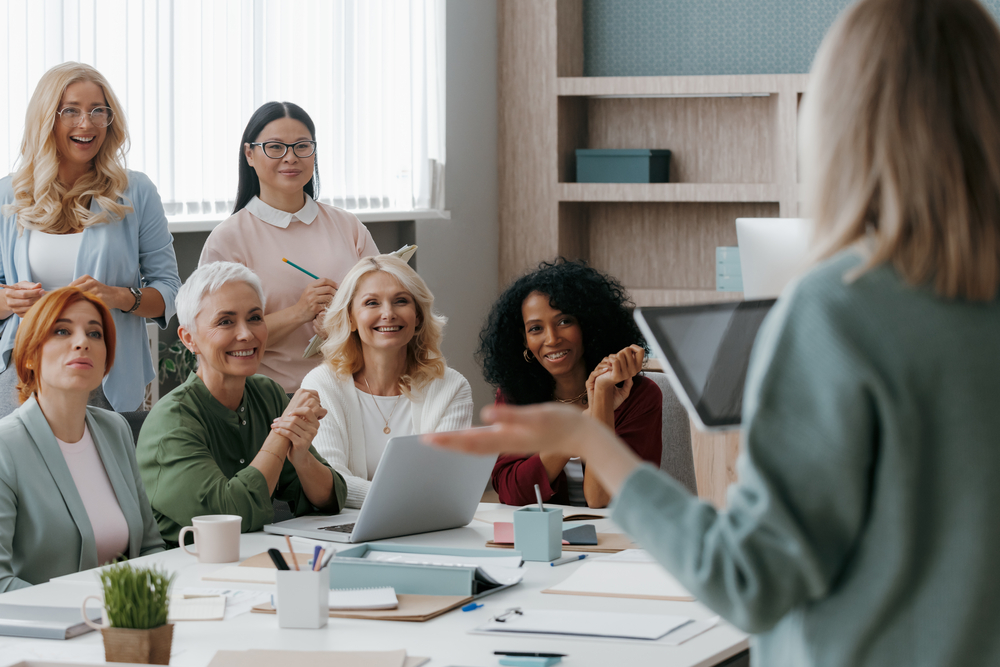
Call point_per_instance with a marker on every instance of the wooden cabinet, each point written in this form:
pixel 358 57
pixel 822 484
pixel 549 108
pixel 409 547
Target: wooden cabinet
pixel 733 141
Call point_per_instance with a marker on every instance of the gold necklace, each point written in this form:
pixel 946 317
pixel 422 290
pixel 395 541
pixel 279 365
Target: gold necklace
pixel 386 430
pixel 575 398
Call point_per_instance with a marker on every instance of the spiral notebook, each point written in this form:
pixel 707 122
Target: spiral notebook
pixel 363 598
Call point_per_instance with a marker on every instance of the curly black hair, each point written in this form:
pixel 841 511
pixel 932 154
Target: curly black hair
pixel 598 302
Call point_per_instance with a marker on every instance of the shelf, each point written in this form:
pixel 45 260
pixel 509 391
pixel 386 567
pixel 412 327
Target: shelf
pixel 669 192
pixel 648 298
pixel 681 86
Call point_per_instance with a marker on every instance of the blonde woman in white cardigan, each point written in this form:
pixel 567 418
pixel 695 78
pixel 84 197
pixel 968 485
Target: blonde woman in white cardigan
pixel 382 374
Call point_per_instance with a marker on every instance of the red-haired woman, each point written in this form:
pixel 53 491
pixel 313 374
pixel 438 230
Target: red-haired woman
pixel 71 497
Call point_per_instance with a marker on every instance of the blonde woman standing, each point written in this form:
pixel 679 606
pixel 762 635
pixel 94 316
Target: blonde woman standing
pixel 382 374
pixel 863 530
pixel 73 215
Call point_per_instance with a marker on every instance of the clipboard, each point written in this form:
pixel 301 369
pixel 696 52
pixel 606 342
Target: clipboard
pixel 412 608
pixel 607 543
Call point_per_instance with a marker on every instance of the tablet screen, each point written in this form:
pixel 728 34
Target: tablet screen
pixel 708 349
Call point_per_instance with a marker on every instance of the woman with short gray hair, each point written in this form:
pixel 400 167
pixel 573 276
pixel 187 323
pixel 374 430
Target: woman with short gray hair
pixel 227 440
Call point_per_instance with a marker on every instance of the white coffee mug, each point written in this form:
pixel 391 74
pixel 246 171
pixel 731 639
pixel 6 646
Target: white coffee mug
pixel 216 536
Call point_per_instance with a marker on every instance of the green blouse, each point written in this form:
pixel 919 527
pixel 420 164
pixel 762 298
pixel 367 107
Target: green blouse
pixel 194 456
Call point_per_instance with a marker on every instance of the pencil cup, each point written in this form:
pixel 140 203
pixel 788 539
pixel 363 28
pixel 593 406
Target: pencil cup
pixel 538 533
pixel 303 598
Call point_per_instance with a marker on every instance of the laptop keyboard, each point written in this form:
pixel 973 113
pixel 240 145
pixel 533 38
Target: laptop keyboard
pixel 340 528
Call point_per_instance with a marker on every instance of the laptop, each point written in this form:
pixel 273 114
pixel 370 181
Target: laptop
pixel 706 351
pixel 773 251
pixel 416 489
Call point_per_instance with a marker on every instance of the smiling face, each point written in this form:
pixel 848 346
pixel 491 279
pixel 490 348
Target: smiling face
pixel 78 146
pixel 286 175
pixel 73 356
pixel 553 337
pixel 383 312
pixel 230 334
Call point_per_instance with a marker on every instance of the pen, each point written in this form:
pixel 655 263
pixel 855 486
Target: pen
pixel 318 559
pixel 308 273
pixel 315 560
pixel 472 606
pixel 520 654
pixel 567 559
pixel 326 559
pixel 538 494
pixel 291 552
pixel 279 562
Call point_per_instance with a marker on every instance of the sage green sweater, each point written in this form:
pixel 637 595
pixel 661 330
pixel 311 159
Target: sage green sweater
pixel 864 528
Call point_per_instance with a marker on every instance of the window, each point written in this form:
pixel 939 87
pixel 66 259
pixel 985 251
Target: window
pixel 190 73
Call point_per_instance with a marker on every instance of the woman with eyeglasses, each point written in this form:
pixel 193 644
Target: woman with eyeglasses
pixel 73 215
pixel 277 217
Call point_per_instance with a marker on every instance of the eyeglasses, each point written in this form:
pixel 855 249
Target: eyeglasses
pixel 73 116
pixel 277 150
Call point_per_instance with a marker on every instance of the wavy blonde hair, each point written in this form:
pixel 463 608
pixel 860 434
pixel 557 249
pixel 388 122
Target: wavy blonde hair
pixel 342 349
pixel 41 202
pixel 901 142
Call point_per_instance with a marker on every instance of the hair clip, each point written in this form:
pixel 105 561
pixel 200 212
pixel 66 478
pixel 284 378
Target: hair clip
pixel 513 611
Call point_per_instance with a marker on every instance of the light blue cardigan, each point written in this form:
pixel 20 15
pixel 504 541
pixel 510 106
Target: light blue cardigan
pixel 45 531
pixel 136 251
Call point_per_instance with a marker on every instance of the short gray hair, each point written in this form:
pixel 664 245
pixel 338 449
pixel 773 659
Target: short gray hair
pixel 206 279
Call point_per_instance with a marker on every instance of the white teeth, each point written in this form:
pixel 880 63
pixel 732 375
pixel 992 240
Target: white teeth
pixel 82 140
pixel 241 353
pixel 557 355
pixel 388 329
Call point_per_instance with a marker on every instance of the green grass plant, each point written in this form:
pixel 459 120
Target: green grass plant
pixel 135 597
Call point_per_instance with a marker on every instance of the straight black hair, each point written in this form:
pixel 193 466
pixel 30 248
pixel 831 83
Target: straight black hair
pixel 249 184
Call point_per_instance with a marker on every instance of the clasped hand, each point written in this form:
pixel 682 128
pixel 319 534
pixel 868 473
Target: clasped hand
pixel 299 423
pixel 612 370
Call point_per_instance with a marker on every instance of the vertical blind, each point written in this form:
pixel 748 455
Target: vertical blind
pixel 190 73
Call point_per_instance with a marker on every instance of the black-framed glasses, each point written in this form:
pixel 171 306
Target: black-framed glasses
pixel 277 150
pixel 73 116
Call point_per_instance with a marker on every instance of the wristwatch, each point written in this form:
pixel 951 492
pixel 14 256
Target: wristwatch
pixel 138 298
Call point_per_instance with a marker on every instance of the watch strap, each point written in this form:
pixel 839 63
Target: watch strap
pixel 137 293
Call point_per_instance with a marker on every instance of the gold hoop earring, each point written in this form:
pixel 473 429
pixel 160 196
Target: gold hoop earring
pixel 528 357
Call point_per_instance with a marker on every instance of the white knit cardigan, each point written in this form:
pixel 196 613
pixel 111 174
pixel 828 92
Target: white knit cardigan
pixel 442 405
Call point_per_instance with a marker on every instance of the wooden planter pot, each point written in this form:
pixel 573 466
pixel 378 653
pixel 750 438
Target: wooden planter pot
pixel 151 647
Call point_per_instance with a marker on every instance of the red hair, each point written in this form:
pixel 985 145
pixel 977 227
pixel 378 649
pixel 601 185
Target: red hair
pixel 36 328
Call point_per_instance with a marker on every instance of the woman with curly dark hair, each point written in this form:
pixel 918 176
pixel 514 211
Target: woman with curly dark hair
pixel 564 333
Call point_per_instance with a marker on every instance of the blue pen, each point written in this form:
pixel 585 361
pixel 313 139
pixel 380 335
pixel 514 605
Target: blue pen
pixel 316 550
pixel 567 559
pixel 472 606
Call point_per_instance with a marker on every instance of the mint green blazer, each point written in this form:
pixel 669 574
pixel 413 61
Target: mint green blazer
pixel 44 528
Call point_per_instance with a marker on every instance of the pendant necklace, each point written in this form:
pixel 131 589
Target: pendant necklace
pixel 386 430
pixel 574 399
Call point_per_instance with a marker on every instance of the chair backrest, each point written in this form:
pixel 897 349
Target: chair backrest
pixel 135 420
pixel 677 458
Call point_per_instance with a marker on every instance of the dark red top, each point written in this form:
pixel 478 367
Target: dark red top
pixel 638 421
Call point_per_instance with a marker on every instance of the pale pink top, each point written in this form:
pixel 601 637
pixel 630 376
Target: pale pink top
pixel 322 239
pixel 99 499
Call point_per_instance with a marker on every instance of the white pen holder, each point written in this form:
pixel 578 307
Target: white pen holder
pixel 303 598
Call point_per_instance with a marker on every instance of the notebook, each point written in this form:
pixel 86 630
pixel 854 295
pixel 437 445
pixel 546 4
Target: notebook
pixel 622 579
pixel 19 620
pixel 363 598
pixel 269 658
pixel 648 627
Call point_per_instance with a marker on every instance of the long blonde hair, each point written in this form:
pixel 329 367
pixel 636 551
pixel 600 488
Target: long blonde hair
pixel 342 349
pixel 901 142
pixel 41 202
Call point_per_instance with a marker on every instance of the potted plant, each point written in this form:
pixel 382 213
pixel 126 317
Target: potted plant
pixel 136 601
pixel 176 361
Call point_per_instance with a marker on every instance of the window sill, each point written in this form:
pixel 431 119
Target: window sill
pixel 206 223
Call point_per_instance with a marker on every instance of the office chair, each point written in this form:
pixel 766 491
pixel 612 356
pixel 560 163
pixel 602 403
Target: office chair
pixel 677 459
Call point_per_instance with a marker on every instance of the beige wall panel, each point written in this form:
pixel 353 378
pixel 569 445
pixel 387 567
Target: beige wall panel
pixel 570 37
pixel 665 245
pixel 572 118
pixel 526 134
pixel 715 457
pixel 711 139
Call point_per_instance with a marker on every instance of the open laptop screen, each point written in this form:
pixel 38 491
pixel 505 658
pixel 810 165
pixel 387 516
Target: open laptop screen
pixel 707 350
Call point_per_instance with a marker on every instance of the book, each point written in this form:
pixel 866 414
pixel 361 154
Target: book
pixel 363 598
pixel 18 620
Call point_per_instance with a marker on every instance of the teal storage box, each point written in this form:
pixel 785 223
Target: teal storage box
pixel 622 165
pixel 350 569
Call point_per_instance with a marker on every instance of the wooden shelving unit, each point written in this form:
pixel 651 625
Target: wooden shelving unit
pixel 733 141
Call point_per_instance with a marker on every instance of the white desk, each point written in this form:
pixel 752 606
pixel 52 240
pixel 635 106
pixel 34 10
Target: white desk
pixel 444 639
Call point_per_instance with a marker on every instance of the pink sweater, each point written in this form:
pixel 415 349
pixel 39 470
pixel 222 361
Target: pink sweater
pixel 329 245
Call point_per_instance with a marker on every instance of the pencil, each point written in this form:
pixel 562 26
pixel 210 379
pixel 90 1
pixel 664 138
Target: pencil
pixel 291 551
pixel 308 273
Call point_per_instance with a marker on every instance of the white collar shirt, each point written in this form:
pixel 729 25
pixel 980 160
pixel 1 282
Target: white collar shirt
pixel 282 219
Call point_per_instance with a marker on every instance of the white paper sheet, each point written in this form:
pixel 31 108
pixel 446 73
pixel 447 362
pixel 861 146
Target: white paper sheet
pixel 238 601
pixel 622 579
pixel 503 570
pixel 587 623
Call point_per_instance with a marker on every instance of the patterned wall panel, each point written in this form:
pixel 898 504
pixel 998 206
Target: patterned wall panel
pixel 691 37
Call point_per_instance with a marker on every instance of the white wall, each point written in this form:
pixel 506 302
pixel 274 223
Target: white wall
pixel 458 258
